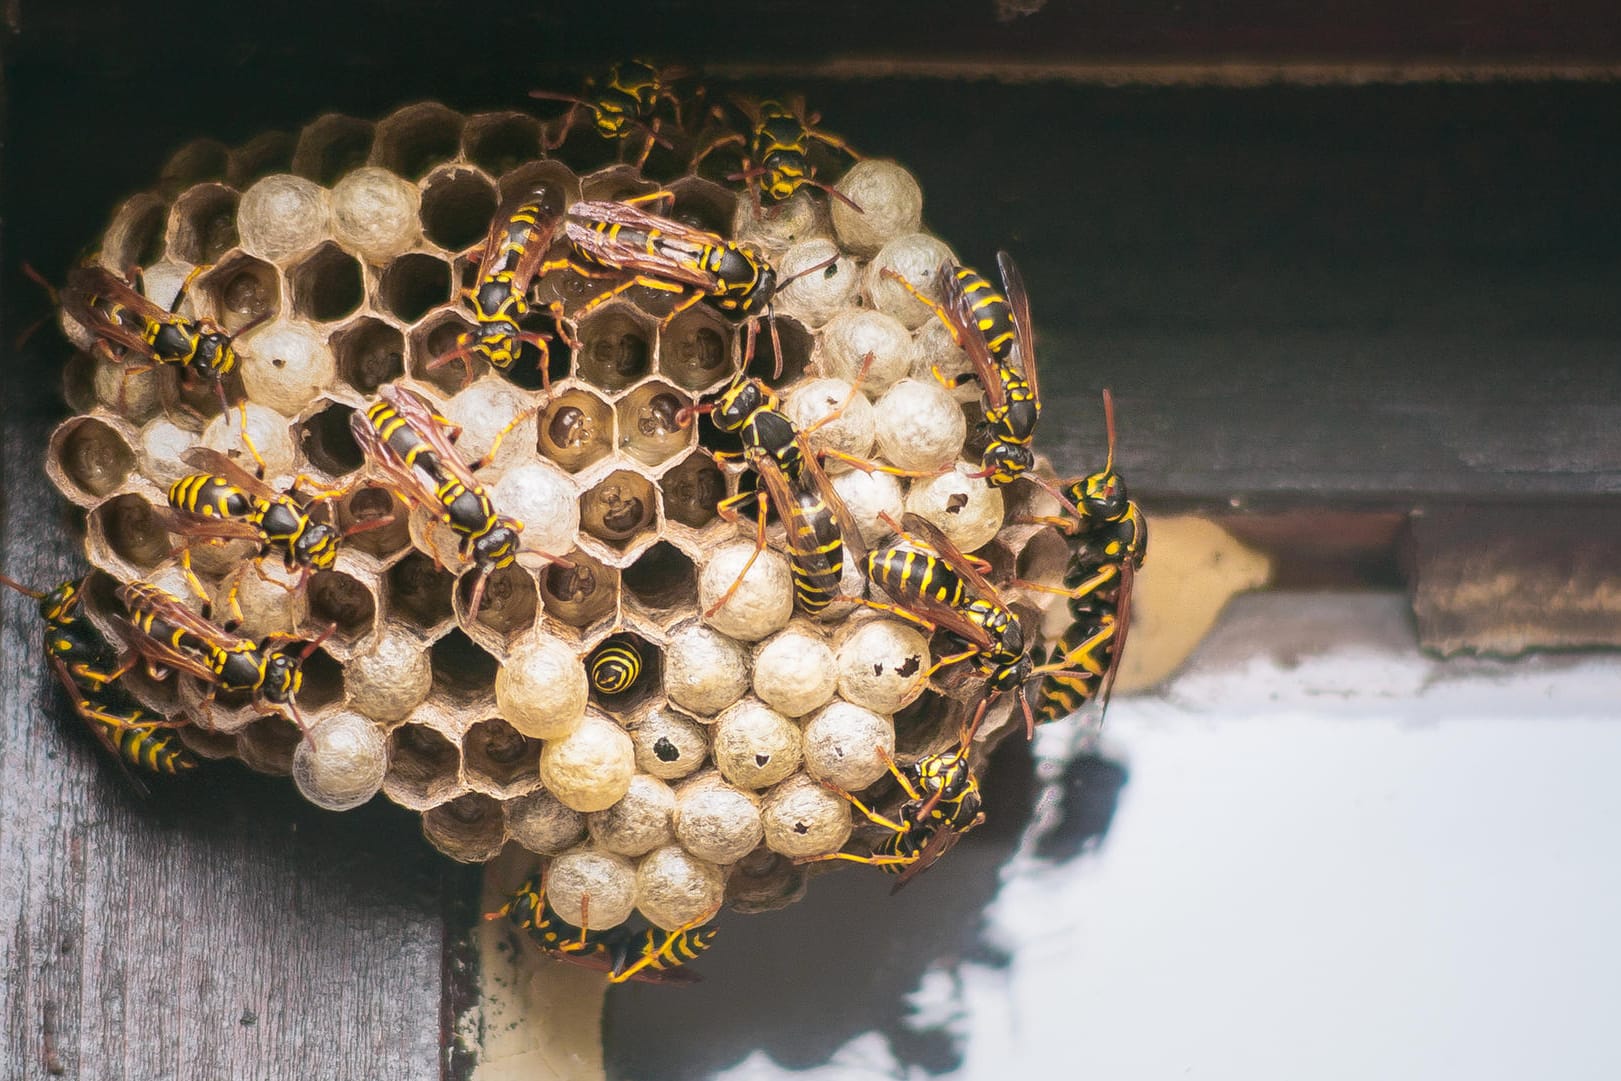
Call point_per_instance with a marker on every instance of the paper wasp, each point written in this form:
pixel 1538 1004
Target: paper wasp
pixel 942 803
pixel 87 667
pixel 1108 545
pixel 995 331
pixel 653 956
pixel 227 502
pixel 414 447
pixel 507 266
pixel 776 150
pixel 623 105
pixel 607 239
pixel 127 324
pixel 168 635
pixel 937 587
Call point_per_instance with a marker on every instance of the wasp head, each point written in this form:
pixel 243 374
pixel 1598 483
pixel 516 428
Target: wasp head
pixel 1102 496
pixel 785 173
pixel 1004 462
pixel 741 401
pixel 497 344
pixel 317 546
pixel 282 677
pixel 498 547
pixel 215 356
pixel 59 602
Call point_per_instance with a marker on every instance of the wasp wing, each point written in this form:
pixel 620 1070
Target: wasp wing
pixel 654 245
pixel 1023 337
pixel 953 556
pixel 88 284
pixel 406 481
pixel 943 840
pixel 210 460
pixel 855 547
pixel 961 311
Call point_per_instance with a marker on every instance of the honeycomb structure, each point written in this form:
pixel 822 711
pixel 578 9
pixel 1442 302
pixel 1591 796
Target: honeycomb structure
pixel 346 247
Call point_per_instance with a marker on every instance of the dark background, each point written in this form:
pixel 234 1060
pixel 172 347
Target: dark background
pixel 1362 299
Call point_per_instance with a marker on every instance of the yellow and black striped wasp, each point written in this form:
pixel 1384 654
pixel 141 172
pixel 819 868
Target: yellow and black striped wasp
pixel 937 587
pixel 414 447
pixel 608 239
pixel 127 324
pixel 653 956
pixel 169 636
pixel 625 103
pixel 995 332
pixel 817 525
pixel 508 264
pixel 776 149
pixel 942 803
pixel 227 502
pixel 1109 540
pixel 87 667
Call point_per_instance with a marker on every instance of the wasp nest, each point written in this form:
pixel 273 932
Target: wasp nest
pixel 342 252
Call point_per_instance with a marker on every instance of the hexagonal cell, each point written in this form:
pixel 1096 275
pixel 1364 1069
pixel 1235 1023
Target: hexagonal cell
pixel 267 744
pixel 691 491
pixel 413 285
pixel 131 528
pixel 327 286
pixel 500 759
pixel 322 682
pixel 702 204
pixel 265 153
pixel 582 594
pixel 198 161
pixel 135 237
pixel 341 602
pixel 662 578
pixel 549 174
pixel 203 223
pixel 470 828
pixel 797 343
pixel 419 592
pixel 629 663
pixel 432 340
pixel 498 142
pixel 927 723
pixel 457 205
pixel 79 382
pixel 616 347
pixel 94 457
pixel 510 600
pixel 575 430
pixel 207 744
pixel 241 290
pixel 648 430
pixel 619 509
pixel 615 184
pixel 460 668
pixel 369 353
pixel 413 140
pixel 356 511
pixel 696 349
pixel 328 443
pixel 422 766
pixel 331 147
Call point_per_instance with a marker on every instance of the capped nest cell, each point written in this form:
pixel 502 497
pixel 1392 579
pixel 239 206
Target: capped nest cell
pixel 694 770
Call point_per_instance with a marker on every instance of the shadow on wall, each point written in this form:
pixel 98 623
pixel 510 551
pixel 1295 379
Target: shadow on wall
pixel 799 984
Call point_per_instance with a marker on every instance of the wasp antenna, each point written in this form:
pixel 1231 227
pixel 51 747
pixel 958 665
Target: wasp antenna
pixel 1108 426
pixel 39 279
pixel 20 588
pixel 813 268
pixel 304 655
pixel 837 194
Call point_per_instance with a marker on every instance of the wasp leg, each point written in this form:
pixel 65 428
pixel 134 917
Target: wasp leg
pixel 185 286
pixel 728 510
pixel 714 145
pixel 630 283
pixel 665 951
pixel 500 437
pixel 933 305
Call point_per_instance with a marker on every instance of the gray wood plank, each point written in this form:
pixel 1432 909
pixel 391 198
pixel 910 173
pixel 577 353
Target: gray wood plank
pixel 221 929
